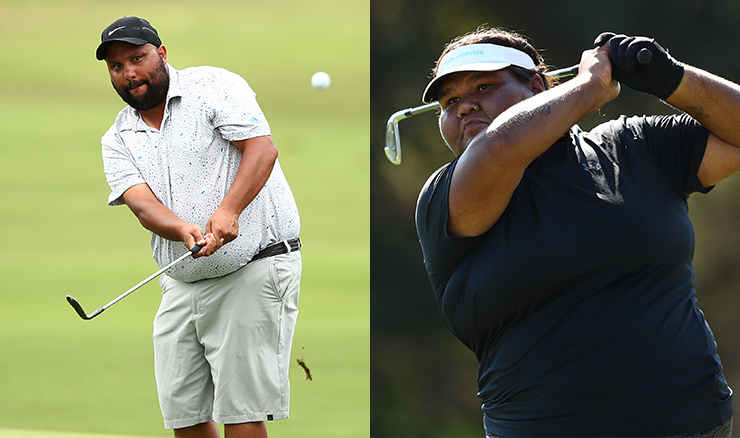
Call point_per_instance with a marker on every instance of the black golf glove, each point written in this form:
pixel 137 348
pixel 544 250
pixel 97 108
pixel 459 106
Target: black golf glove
pixel 659 77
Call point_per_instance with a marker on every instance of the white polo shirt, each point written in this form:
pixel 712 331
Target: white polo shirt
pixel 191 163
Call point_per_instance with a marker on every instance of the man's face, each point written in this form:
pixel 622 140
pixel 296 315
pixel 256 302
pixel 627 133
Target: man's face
pixel 138 73
pixel 470 102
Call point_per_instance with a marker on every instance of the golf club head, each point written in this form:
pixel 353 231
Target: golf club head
pixel 392 142
pixel 393 136
pixel 76 305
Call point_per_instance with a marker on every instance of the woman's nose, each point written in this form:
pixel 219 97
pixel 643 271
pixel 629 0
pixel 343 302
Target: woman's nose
pixel 467 106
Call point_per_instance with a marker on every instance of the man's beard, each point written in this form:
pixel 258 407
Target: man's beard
pixel 156 89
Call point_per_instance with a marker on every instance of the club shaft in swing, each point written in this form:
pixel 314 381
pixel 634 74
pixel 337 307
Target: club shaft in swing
pixel 78 308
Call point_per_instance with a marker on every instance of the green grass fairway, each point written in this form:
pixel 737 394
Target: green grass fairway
pixel 62 374
pixel 25 433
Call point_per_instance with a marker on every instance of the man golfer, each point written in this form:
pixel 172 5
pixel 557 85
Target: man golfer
pixel 192 157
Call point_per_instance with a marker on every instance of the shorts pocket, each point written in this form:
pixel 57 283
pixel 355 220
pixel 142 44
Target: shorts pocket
pixel 283 275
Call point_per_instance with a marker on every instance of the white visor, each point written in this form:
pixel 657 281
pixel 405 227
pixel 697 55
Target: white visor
pixel 475 57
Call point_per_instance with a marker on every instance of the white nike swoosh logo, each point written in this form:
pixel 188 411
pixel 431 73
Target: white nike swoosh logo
pixel 114 30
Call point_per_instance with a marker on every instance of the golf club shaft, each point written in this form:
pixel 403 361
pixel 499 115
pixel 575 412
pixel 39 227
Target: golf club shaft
pixel 78 308
pixel 148 279
pixel 564 73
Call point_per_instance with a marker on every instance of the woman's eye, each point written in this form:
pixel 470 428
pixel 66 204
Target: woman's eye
pixel 483 87
pixel 452 100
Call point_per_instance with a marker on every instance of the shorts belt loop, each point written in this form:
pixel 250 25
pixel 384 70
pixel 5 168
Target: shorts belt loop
pixel 287 245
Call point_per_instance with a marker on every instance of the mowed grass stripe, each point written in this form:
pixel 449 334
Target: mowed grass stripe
pixel 22 433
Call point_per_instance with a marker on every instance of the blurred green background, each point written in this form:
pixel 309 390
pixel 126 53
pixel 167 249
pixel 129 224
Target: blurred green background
pixel 423 379
pixel 58 372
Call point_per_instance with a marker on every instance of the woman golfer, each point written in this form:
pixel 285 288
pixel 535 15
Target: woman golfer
pixel 563 258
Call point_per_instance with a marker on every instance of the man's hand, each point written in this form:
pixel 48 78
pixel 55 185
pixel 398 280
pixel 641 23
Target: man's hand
pixel 193 235
pixel 258 158
pixel 222 228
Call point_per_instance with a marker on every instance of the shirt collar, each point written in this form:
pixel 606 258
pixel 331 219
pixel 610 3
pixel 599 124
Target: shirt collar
pixel 174 90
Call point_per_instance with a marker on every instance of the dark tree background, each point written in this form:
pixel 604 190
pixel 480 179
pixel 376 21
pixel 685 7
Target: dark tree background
pixel 422 378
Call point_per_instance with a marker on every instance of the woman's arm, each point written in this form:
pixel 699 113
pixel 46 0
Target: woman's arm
pixel 715 103
pixel 491 167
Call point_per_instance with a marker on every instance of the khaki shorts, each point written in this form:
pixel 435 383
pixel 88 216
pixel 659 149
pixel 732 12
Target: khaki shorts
pixel 222 346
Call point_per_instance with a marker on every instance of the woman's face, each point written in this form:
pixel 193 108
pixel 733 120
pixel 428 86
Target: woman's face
pixel 470 102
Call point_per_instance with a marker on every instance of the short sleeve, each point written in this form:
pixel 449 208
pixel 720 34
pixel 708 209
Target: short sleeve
pixel 676 145
pixel 442 252
pixel 119 167
pixel 236 113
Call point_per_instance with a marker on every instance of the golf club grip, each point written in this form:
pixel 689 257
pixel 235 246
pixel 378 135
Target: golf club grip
pixel 644 56
pixel 196 249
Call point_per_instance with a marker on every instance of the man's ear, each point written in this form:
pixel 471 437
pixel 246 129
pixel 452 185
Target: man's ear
pixel 162 50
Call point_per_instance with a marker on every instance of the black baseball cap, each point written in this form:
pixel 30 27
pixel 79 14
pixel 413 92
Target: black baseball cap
pixel 132 30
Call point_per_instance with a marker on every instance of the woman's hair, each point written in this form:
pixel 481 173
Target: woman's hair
pixel 506 38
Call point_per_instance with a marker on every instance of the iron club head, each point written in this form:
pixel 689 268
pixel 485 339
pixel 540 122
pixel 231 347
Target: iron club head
pixel 392 142
pixel 393 136
pixel 78 308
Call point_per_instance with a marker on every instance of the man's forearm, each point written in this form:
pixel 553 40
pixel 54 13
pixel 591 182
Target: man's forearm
pixel 258 159
pixel 153 215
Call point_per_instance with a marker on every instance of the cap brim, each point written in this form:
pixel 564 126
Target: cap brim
pixel 475 57
pixel 100 52
pixel 430 92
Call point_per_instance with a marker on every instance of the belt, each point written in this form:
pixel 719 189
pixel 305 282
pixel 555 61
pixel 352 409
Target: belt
pixel 284 247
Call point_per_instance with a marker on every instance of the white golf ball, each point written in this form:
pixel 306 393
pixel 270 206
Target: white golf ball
pixel 320 80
